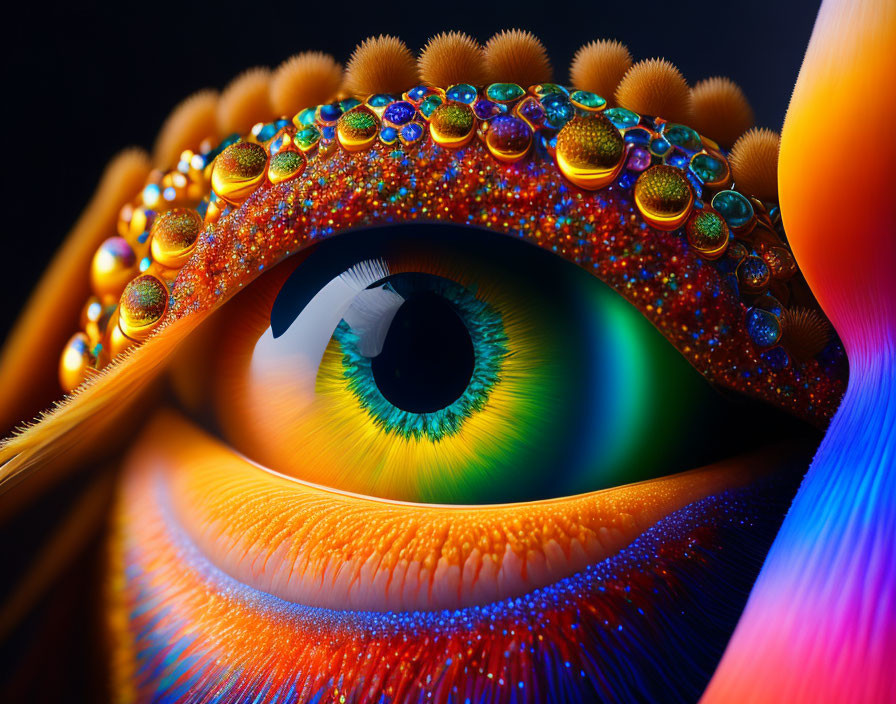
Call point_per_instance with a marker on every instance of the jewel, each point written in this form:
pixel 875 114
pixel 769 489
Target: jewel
pixel 462 93
pixel 306 139
pixel 238 170
pixel 638 159
pixel 399 113
pixel 711 169
pixel 734 207
pixel 763 327
pixel 428 106
pixel 411 133
pixel 590 151
pixel 174 236
pixel 508 138
pixel 753 275
pixel 76 362
pixel 143 303
pixel 452 124
pixel 558 110
pixel 357 129
pixel 504 92
pixel 707 233
pixel 664 197
pixel 113 265
pixel 285 165
pixel 585 100
pixel 682 136
pixel 622 118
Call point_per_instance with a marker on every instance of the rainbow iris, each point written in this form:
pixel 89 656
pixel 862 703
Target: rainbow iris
pixel 450 365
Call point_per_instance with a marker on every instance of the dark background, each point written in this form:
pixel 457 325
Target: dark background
pixel 81 80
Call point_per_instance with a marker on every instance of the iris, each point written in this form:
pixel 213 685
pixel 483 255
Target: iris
pixel 444 364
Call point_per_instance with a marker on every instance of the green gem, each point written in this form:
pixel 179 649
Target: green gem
pixel 543 89
pixel 707 168
pixel 307 138
pixel 586 100
pixel 622 118
pixel 348 104
pixel 682 136
pixel 285 164
pixel 734 207
pixel 504 92
pixel 306 117
pixel 428 106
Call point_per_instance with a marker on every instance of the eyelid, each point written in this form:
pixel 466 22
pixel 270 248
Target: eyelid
pixel 332 549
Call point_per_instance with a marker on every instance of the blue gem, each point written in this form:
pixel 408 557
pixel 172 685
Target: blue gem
pixel 412 132
pixel 734 207
pixel 388 135
pixel 558 109
pixel 763 327
pixel 462 93
pixel 399 113
pixel 329 113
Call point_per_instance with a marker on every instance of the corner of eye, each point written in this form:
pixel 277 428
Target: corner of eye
pixel 450 58
pixel 304 80
pixel 517 56
pixel 598 67
pixel 245 102
pixel 656 87
pixel 381 64
pixel 191 122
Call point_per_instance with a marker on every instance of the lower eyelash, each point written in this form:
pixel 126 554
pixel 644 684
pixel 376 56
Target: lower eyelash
pixel 181 625
pixel 324 548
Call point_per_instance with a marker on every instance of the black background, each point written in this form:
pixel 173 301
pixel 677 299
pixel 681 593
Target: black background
pixel 82 80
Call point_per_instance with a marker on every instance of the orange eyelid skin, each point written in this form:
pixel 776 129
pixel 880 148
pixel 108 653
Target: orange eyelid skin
pixel 320 547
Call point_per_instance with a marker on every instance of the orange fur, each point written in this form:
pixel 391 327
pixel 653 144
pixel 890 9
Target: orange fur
pixel 599 67
pixel 655 87
pixel 517 56
pixel 452 57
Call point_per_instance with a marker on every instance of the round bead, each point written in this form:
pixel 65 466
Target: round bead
pixel 504 92
pixel 399 113
pixel 707 233
pixel 780 262
pixel 682 136
pixel 763 327
pixel 508 138
pixel 174 236
pixel 307 138
pixel 451 125
pixel 734 207
pixel 357 129
pixel 76 362
pixel 285 165
pixel 238 171
pixel 113 265
pixel 664 197
pixel 711 169
pixel 584 100
pixel 143 303
pixel 590 151
pixel 462 93
pixel 753 275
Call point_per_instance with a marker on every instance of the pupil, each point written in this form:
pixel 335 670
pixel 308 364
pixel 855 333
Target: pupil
pixel 427 358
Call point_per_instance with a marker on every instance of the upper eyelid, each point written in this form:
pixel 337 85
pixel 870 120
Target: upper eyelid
pixel 600 231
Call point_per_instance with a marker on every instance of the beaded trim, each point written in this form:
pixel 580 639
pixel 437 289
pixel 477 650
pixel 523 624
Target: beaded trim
pixel 676 183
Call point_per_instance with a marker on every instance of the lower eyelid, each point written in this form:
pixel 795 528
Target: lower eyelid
pixel 323 548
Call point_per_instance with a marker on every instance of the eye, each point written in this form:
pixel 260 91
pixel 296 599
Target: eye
pixel 443 364
pixel 479 392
